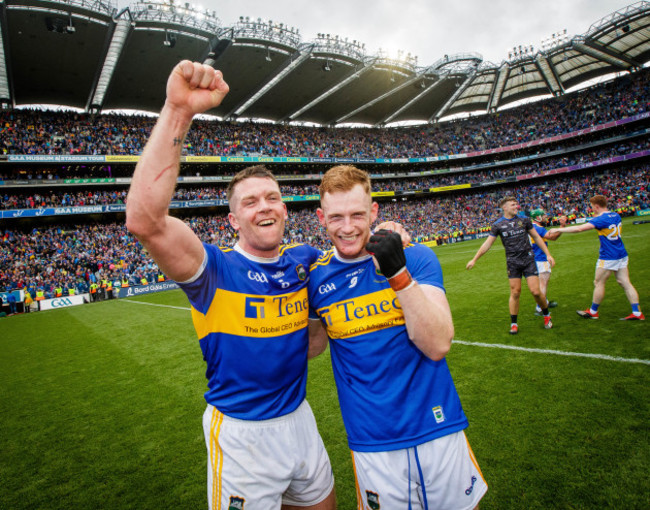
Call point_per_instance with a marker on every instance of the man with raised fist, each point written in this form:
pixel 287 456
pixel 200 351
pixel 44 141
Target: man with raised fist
pixel 390 327
pixel 263 445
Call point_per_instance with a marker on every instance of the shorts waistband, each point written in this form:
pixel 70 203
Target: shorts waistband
pixel 303 408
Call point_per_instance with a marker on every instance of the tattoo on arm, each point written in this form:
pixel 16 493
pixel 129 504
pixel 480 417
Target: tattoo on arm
pixel 178 141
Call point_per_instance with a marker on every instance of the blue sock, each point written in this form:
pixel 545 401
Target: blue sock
pixel 635 308
pixel 594 307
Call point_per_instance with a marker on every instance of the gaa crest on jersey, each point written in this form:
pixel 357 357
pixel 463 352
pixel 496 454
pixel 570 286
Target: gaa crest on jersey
pixel 372 499
pixel 302 274
pixel 379 278
pixel 236 503
pixel 438 414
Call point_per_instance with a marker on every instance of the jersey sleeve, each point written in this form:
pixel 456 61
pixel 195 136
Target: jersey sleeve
pixel 201 288
pixel 597 221
pixel 305 253
pixel 494 231
pixel 528 224
pixel 424 266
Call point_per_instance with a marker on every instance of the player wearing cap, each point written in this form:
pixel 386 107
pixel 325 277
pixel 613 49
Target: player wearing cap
pixel 612 257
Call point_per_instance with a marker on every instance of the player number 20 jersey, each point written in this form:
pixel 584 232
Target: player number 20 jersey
pixel 609 226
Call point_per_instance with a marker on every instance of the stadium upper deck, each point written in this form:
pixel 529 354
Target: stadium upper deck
pixel 86 54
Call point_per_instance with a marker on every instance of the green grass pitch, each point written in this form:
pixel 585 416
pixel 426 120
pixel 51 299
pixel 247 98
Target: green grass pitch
pixel 101 404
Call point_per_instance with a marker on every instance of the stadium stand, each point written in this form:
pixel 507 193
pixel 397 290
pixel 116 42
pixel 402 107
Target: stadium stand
pixel 62 196
pixel 78 255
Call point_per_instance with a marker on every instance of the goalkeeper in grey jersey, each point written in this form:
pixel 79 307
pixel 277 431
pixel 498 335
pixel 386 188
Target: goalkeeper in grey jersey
pixel 520 260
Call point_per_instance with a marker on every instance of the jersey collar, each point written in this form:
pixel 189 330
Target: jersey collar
pixel 350 261
pixel 261 260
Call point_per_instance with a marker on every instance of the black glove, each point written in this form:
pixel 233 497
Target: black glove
pixel 387 248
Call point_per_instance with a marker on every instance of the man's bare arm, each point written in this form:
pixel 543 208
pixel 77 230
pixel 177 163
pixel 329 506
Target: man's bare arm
pixel 428 319
pixel 574 228
pixel 317 338
pixel 542 245
pixel 191 88
pixel 487 244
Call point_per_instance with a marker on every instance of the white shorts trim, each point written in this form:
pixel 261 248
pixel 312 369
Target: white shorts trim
pixel 261 465
pixel 543 267
pixel 612 265
pixel 443 471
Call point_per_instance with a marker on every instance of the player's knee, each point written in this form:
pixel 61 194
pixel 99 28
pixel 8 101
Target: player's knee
pixel 623 281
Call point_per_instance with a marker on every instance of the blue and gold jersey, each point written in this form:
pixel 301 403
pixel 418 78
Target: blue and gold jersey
pixel 609 226
pixel 251 316
pixel 391 395
pixel 540 256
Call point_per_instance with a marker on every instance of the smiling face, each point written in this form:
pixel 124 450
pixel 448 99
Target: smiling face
pixel 347 216
pixel 510 208
pixel 258 215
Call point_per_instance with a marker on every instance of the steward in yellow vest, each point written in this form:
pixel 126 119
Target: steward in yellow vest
pixel 93 292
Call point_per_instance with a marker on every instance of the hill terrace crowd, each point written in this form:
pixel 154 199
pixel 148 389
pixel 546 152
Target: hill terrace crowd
pixel 38 132
pixel 76 256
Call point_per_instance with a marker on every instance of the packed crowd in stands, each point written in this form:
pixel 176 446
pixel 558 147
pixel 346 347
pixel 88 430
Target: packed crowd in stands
pixel 53 198
pixel 78 256
pixel 38 132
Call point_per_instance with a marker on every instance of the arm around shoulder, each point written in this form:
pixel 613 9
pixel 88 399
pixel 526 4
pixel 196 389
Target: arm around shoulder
pixel 317 338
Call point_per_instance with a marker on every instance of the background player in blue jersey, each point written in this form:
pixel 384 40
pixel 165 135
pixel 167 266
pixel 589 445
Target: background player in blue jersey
pixel 520 261
pixel 250 311
pixel 612 257
pixel 539 219
pixel 389 331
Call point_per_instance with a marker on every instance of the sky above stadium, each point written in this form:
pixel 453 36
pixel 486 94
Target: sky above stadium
pixel 428 29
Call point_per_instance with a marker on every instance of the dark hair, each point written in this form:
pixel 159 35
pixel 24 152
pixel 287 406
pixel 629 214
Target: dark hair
pixel 247 173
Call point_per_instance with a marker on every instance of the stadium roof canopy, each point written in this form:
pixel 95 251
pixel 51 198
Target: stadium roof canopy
pixel 86 54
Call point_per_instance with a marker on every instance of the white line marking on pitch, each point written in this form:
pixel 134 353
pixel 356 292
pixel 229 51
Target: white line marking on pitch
pixel 481 344
pixel 156 304
pixel 558 353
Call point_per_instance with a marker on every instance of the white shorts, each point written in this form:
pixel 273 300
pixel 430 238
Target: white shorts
pixel 612 265
pixel 543 267
pixel 441 474
pixel 259 465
